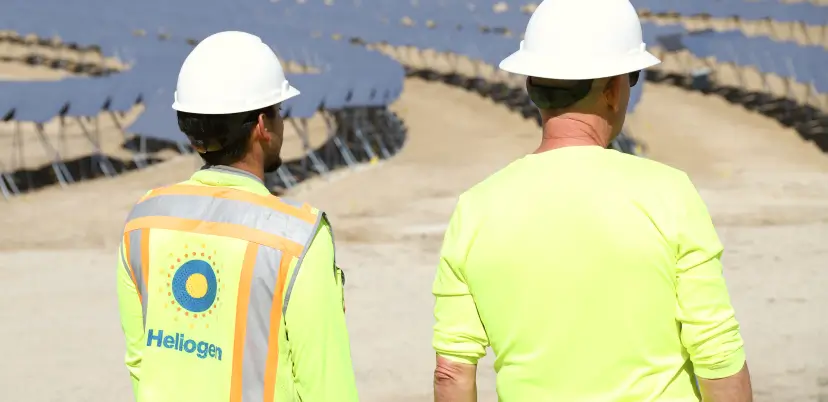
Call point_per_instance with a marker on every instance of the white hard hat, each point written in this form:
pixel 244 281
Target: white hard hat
pixel 579 40
pixel 231 72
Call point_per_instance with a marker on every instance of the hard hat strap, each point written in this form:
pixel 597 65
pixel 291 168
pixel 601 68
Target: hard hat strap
pixel 548 97
pixel 204 146
pixel 634 76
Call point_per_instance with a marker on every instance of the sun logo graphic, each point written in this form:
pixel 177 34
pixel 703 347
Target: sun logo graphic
pixel 193 285
pixel 193 291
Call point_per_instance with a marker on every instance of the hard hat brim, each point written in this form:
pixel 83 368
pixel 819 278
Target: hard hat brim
pixel 290 92
pixel 537 65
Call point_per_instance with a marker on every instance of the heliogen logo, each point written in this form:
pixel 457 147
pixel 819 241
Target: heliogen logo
pixel 179 342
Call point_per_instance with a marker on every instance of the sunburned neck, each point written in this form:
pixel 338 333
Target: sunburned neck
pixel 574 131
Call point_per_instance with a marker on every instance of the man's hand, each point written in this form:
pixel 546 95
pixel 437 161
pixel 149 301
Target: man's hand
pixel 735 388
pixel 454 382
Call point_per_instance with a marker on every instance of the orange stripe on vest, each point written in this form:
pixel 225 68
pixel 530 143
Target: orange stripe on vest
pixel 272 362
pixel 242 305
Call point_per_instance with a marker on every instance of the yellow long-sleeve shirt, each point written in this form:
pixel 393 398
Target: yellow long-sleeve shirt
pixel 593 275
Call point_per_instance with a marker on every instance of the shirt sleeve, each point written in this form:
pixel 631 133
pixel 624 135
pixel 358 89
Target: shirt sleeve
pixel 315 323
pixel 709 330
pixel 132 320
pixel 458 333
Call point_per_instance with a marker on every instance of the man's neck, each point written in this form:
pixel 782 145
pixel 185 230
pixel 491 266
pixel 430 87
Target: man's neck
pixel 254 169
pixel 574 131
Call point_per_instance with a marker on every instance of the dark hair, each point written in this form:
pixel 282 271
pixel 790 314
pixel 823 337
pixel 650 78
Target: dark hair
pixel 223 137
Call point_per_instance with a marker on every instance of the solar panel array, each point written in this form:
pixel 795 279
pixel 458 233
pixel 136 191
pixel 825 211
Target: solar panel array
pixel 342 76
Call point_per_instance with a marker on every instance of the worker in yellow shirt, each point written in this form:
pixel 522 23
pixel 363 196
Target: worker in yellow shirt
pixel 593 275
pixel 226 292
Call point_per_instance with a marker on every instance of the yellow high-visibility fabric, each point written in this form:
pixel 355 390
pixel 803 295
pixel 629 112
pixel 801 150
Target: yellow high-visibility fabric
pixel 314 364
pixel 593 275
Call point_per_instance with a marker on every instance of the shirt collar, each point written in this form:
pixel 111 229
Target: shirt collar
pixel 227 176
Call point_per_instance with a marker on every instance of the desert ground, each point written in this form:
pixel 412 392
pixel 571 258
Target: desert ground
pixel 767 191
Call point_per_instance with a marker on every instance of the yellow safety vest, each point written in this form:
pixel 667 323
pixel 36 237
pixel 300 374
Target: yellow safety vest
pixel 211 268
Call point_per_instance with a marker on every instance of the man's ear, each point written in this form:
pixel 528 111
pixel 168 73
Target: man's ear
pixel 612 93
pixel 261 130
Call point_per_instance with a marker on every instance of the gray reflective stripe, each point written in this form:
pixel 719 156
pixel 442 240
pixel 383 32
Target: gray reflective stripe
pixel 222 210
pixel 319 218
pixel 262 291
pixel 292 203
pixel 136 264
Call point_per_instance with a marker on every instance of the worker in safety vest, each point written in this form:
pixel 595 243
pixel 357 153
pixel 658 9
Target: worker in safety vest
pixel 592 274
pixel 226 292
